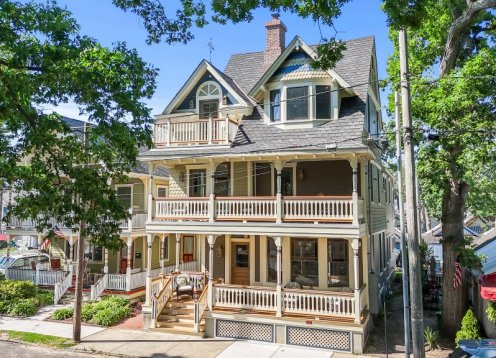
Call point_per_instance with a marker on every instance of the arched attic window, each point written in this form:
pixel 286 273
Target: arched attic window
pixel 209 96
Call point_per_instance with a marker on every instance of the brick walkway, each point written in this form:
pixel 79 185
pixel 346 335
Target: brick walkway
pixel 135 322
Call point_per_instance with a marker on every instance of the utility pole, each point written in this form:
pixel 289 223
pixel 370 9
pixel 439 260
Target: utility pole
pixel 80 257
pixel 404 250
pixel 411 206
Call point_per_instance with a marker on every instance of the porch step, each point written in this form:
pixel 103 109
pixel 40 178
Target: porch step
pixel 178 317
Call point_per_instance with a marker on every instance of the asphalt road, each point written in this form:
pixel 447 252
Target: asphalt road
pixel 18 350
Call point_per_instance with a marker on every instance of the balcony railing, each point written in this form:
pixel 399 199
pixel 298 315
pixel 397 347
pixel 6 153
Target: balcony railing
pixel 318 208
pixel 137 220
pixel 194 132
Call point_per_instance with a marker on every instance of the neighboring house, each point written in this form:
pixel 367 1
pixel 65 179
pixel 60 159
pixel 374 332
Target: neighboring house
pixel 124 269
pixel 277 192
pixel 488 249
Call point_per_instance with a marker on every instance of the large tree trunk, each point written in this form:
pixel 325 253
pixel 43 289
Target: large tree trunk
pixel 452 224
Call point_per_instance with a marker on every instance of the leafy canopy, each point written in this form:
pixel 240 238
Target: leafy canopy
pixel 45 61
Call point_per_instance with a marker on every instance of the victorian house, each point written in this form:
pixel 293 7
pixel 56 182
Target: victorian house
pixel 277 197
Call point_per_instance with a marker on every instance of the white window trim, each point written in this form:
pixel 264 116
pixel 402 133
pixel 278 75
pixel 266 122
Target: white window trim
pixel 132 191
pixel 162 186
pixel 207 178
pixel 209 97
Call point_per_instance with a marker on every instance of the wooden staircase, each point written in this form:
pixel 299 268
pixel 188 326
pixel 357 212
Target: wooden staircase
pixel 178 317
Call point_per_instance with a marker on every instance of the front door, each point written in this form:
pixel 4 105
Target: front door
pixel 240 264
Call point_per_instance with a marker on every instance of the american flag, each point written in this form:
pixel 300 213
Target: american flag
pixel 57 232
pixel 45 245
pixel 457 280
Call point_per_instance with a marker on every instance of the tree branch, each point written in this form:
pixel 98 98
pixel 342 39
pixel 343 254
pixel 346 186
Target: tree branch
pixel 29 68
pixel 453 43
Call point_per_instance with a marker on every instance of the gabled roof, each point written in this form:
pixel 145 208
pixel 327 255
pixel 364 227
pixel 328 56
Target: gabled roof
pixel 297 42
pixel 225 80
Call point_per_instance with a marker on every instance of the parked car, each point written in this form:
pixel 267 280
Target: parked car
pixel 24 261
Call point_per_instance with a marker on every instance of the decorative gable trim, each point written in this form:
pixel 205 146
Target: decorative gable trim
pixel 203 67
pixel 296 42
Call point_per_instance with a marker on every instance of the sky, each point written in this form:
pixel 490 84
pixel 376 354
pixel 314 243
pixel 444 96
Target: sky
pixel 108 24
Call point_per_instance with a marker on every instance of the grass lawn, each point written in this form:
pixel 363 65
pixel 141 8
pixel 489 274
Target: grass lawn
pixel 40 339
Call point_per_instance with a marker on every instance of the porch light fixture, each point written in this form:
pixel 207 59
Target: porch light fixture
pixel 191 104
pixel 181 176
pixel 219 251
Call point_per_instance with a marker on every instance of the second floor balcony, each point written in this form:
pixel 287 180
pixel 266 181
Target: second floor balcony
pixel 330 209
pixel 194 131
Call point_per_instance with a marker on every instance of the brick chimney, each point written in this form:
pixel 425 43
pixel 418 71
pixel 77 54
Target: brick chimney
pixel 276 40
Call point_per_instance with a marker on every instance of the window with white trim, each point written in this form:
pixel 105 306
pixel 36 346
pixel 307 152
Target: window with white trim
pixel 162 191
pixel 297 103
pixel 125 195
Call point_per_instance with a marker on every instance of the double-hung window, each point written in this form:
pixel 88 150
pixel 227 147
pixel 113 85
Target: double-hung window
pixel 275 105
pixel 297 103
pixel 323 102
pixel 125 195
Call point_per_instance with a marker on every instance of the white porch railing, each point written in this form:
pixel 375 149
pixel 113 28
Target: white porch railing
pixel 50 278
pixel 246 208
pixel 191 266
pixel 245 297
pixel 200 306
pixel 159 301
pixel 311 208
pixel 317 208
pixel 61 288
pixel 318 303
pixel 185 208
pixel 26 223
pixel 137 220
pixel 98 288
pixel 194 131
pixel 116 282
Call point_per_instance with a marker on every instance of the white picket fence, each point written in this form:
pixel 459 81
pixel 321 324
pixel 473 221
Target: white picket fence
pixel 116 282
pixel 38 277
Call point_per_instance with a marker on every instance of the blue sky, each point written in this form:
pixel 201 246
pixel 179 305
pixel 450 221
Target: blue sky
pixel 108 24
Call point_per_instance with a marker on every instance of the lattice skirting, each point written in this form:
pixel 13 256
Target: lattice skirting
pixel 244 330
pixel 320 338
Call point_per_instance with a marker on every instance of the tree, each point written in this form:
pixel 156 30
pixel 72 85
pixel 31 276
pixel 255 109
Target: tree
pixel 452 67
pixel 57 172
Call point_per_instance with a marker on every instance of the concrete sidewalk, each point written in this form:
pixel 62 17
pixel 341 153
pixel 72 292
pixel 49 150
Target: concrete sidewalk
pixel 137 343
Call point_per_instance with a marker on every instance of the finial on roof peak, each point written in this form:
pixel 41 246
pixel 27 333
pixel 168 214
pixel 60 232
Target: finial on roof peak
pixel 275 15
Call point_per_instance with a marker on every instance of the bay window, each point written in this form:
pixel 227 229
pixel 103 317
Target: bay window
pixel 297 103
pixel 323 102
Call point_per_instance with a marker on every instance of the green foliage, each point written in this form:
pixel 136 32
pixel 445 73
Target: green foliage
pixel 491 312
pixel 46 62
pixel 40 339
pixel 431 338
pixel 12 290
pixel 194 13
pixel 469 329
pixel 107 312
pixel 44 298
pixel 63 313
pixel 23 307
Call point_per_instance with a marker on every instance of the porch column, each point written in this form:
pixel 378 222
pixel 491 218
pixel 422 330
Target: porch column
pixel 211 201
pixel 210 293
pixel 148 287
pixel 162 240
pixel 278 165
pixel 71 249
pixel 39 238
pixel 129 244
pixel 150 193
pixel 278 241
pixel 105 259
pixel 178 251
pixel 354 167
pixel 355 244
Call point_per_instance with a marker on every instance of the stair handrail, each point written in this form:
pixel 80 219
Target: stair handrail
pixel 98 288
pixel 201 305
pixel 61 288
pixel 159 301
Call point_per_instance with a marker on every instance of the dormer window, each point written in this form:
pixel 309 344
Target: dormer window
pixel 323 102
pixel 297 103
pixel 209 97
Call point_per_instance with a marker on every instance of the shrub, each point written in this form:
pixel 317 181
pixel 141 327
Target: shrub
pixel 44 298
pixel 2 277
pixel 491 312
pixel 469 329
pixel 4 307
pixel 12 290
pixel 88 311
pixel 106 312
pixel 63 313
pixel 431 338
pixel 23 307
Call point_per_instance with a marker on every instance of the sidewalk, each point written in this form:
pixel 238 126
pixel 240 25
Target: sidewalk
pixel 137 343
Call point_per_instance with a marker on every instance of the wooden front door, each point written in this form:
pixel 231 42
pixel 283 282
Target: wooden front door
pixel 240 264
